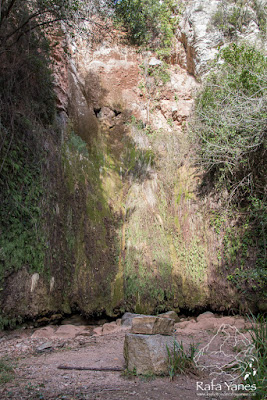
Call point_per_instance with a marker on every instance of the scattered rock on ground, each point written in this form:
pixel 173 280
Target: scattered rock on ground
pixel 154 61
pixel 68 331
pixel 98 330
pixel 46 332
pixel 127 318
pixel 207 314
pixel 110 327
pixel 170 314
pixel 48 346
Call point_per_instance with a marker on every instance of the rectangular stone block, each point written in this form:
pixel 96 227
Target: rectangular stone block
pixel 147 354
pixel 151 325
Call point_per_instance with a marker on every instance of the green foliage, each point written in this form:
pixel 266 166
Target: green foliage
pixel 149 22
pixel 22 242
pixel 9 323
pixel 6 371
pixel 232 17
pixel 159 73
pixel 20 19
pixel 230 122
pixel 27 106
pixel 181 361
pixel 258 362
pixel 76 143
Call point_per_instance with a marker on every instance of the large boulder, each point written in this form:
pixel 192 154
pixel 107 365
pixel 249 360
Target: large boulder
pixel 147 354
pixel 151 325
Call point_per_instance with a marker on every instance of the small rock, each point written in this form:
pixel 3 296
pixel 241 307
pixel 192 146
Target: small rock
pixel 68 331
pixel 46 332
pixel 127 318
pixel 48 346
pixel 181 325
pixel 109 327
pixel 98 330
pixel 207 314
pixel 118 321
pixel 151 325
pixel 170 314
pixel 154 61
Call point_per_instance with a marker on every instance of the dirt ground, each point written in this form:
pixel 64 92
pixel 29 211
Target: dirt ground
pixel 37 354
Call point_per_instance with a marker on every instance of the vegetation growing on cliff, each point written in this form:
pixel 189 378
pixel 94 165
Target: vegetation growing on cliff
pixel 233 16
pixel 230 124
pixel 149 22
pixel 27 107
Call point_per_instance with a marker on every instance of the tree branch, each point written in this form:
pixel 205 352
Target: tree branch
pixel 91 368
pixel 7 12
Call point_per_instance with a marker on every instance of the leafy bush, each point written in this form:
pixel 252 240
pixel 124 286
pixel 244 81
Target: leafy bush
pixel 150 22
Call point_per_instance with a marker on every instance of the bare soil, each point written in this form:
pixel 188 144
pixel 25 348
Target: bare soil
pixel 36 361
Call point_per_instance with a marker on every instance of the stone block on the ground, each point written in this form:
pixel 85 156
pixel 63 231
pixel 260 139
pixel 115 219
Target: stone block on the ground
pixel 170 314
pixel 147 354
pixel 151 325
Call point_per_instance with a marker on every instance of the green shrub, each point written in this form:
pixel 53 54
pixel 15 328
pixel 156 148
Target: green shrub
pixel 229 125
pixel 230 122
pixel 149 22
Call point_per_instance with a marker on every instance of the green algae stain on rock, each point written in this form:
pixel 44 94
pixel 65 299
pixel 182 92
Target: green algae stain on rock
pixel 95 223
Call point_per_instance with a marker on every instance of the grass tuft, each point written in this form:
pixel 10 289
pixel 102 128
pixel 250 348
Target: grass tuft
pixel 181 361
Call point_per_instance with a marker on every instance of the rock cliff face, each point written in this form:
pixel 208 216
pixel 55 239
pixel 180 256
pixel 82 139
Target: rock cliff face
pixel 125 228
pixel 207 25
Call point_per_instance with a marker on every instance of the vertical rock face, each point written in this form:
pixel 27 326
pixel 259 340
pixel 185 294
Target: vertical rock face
pixel 208 24
pixel 125 229
pixel 200 42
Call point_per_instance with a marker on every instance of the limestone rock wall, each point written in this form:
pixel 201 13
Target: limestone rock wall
pixel 207 25
pixel 126 229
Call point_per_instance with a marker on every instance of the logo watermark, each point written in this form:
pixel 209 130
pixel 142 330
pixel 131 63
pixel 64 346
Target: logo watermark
pixel 229 361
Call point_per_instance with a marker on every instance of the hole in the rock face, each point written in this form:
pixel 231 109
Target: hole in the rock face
pixel 97 112
pixel 116 112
